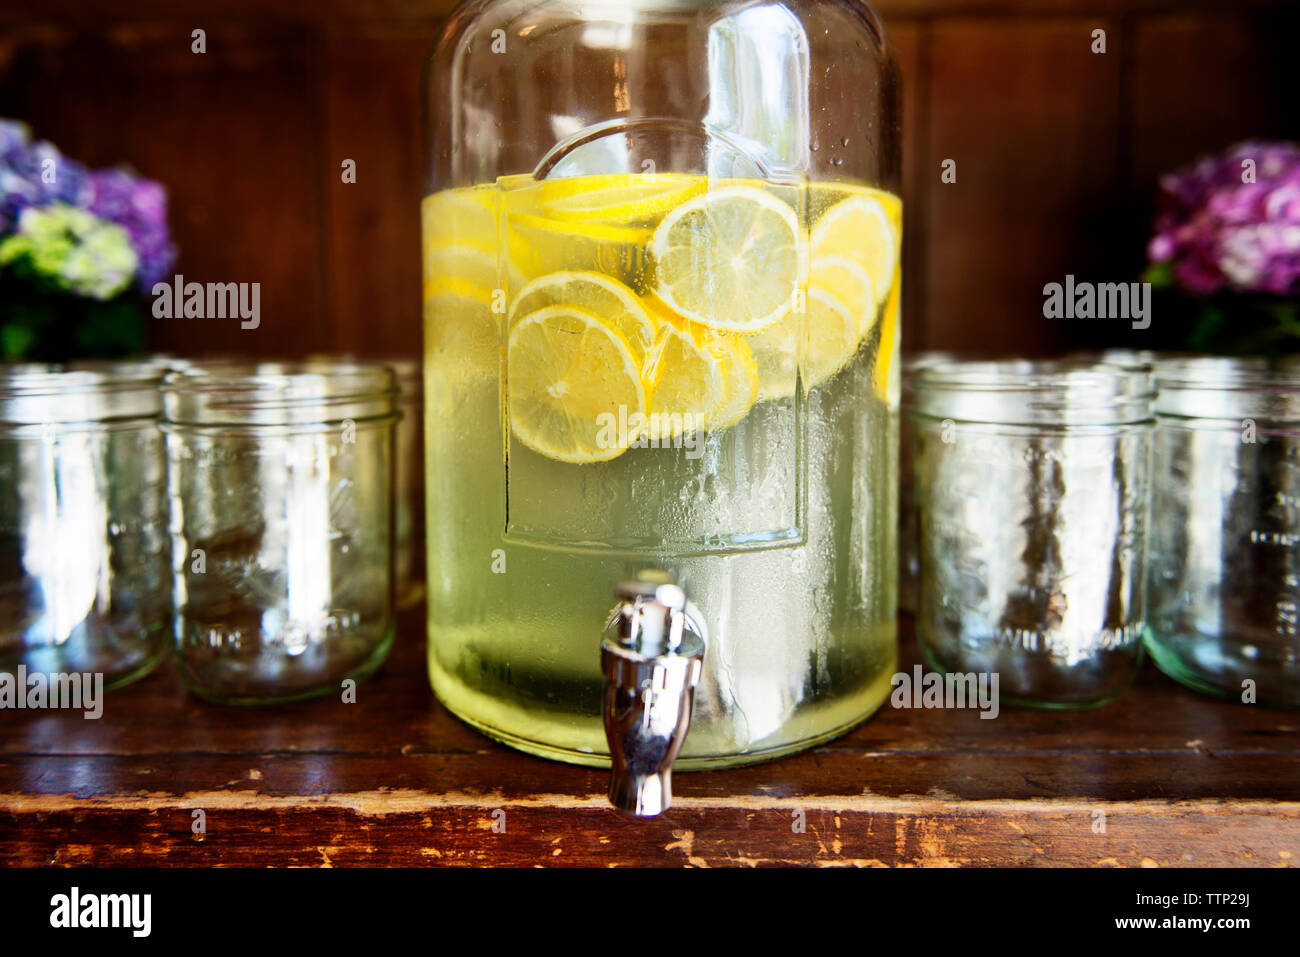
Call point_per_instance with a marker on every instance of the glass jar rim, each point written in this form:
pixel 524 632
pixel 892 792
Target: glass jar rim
pixel 1229 389
pixel 1036 391
pixel 408 371
pixel 914 362
pixel 298 392
pixel 36 393
pixel 1280 373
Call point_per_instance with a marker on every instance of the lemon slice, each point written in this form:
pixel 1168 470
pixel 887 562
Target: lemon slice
pixel 830 341
pixel 461 335
pixel 622 199
pixel 686 383
pixel 740 373
pixel 849 283
pixel 885 376
pixel 571 380
pixel 461 217
pixel 730 259
pixel 539 246
pixel 859 228
pixel 616 304
pixel 776 357
pixel 831 337
pixel 463 264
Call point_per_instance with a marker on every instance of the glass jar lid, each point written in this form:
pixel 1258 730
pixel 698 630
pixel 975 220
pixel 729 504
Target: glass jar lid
pixel 1058 392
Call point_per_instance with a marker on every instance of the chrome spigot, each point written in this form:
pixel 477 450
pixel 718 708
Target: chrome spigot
pixel 651 654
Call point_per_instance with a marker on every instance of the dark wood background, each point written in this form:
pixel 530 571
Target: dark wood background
pixel 1057 148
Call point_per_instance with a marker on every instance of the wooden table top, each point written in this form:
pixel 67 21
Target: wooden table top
pixel 1161 777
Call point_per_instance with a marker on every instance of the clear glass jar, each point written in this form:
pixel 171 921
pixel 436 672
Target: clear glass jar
pixel 83 531
pixel 1033 485
pixel 661 331
pixel 909 524
pixel 1225 546
pixel 408 469
pixel 281 485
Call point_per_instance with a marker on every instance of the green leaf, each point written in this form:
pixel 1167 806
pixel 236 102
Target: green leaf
pixel 1160 275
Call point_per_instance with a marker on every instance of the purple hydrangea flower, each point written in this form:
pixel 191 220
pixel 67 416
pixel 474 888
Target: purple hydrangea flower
pixel 140 206
pixel 50 177
pixel 37 176
pixel 13 134
pixel 1216 229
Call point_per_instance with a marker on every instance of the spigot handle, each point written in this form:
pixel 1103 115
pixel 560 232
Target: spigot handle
pixel 652 654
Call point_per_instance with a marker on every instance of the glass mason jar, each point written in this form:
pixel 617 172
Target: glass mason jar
pixel 281 485
pixel 1225 550
pixel 83 530
pixel 1033 485
pixel 408 470
pixel 661 331
pixel 909 526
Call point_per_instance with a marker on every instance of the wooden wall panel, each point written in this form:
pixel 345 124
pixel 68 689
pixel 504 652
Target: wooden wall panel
pixel 231 133
pixel 373 117
pixel 1203 83
pixel 1030 115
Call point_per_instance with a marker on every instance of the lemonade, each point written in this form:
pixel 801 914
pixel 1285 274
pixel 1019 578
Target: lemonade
pixel 699 375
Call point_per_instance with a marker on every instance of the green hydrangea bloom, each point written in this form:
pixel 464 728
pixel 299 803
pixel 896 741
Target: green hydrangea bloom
pixel 72 250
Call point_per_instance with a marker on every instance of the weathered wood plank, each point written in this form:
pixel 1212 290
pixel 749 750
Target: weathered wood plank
pixel 361 830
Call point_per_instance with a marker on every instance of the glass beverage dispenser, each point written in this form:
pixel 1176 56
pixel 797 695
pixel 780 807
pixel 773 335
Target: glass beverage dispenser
pixel 661 299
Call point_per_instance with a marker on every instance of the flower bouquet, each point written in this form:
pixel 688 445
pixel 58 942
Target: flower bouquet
pixel 79 248
pixel 1227 244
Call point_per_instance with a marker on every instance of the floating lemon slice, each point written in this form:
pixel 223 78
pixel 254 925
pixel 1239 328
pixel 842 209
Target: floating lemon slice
pixel 859 228
pixel 830 341
pixel 539 246
pixel 615 304
pixel 460 335
pixel 740 373
pixel 459 265
pixel 621 199
pixel 885 376
pixel 831 337
pixel 849 283
pixel 461 217
pixel 776 357
pixel 594 231
pixel 572 379
pixel 686 381
pixel 730 259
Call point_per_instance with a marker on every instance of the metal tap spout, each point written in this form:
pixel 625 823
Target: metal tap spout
pixel 652 653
